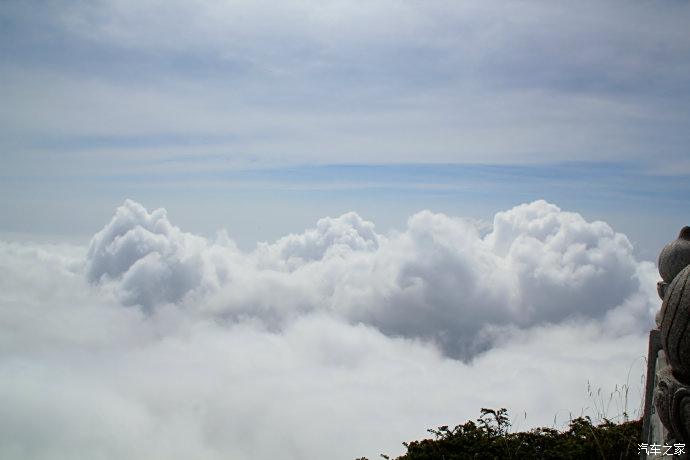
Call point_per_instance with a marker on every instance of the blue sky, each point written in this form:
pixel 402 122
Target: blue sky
pixel 264 204
pixel 228 113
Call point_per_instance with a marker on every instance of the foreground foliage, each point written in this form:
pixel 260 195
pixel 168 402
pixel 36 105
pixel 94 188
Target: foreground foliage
pixel 489 438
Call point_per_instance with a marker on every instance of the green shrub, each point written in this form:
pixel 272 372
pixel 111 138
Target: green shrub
pixel 489 438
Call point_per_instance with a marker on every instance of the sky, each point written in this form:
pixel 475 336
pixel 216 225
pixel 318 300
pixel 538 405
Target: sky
pixel 249 229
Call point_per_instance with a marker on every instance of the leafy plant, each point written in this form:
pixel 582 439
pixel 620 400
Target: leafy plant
pixel 489 438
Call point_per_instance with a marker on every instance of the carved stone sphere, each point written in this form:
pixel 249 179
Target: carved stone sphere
pixel 675 325
pixel 675 256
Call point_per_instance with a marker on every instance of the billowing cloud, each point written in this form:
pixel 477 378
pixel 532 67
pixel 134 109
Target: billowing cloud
pixel 154 261
pixel 330 237
pixel 438 280
pixel 334 343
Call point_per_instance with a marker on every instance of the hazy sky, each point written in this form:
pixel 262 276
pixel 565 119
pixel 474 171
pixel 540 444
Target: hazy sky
pixel 371 207
pixel 223 112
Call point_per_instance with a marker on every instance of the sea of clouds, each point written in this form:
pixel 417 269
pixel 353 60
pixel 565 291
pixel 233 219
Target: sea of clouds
pixel 154 343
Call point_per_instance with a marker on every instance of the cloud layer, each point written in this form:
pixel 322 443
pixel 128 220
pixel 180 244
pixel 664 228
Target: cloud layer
pixel 438 280
pixel 333 343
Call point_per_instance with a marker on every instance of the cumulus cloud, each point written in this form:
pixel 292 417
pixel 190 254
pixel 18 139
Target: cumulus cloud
pixel 154 261
pixel 334 343
pixel 330 237
pixel 437 280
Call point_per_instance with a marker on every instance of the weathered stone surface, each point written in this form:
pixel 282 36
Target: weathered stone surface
pixel 675 256
pixel 680 416
pixel 671 382
pixel 675 326
pixel 672 403
pixel 661 287
pixel 666 386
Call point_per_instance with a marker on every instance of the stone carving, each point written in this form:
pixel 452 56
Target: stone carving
pixel 674 257
pixel 671 394
pixel 675 325
pixel 672 401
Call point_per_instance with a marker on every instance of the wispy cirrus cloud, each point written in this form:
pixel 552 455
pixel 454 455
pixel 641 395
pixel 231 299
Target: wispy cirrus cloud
pixel 346 82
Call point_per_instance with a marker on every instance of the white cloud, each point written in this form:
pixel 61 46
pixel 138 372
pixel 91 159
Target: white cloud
pixel 438 280
pixel 155 261
pixel 320 345
pixel 330 238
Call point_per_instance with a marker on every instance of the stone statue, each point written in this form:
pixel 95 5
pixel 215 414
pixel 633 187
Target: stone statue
pixel 671 380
